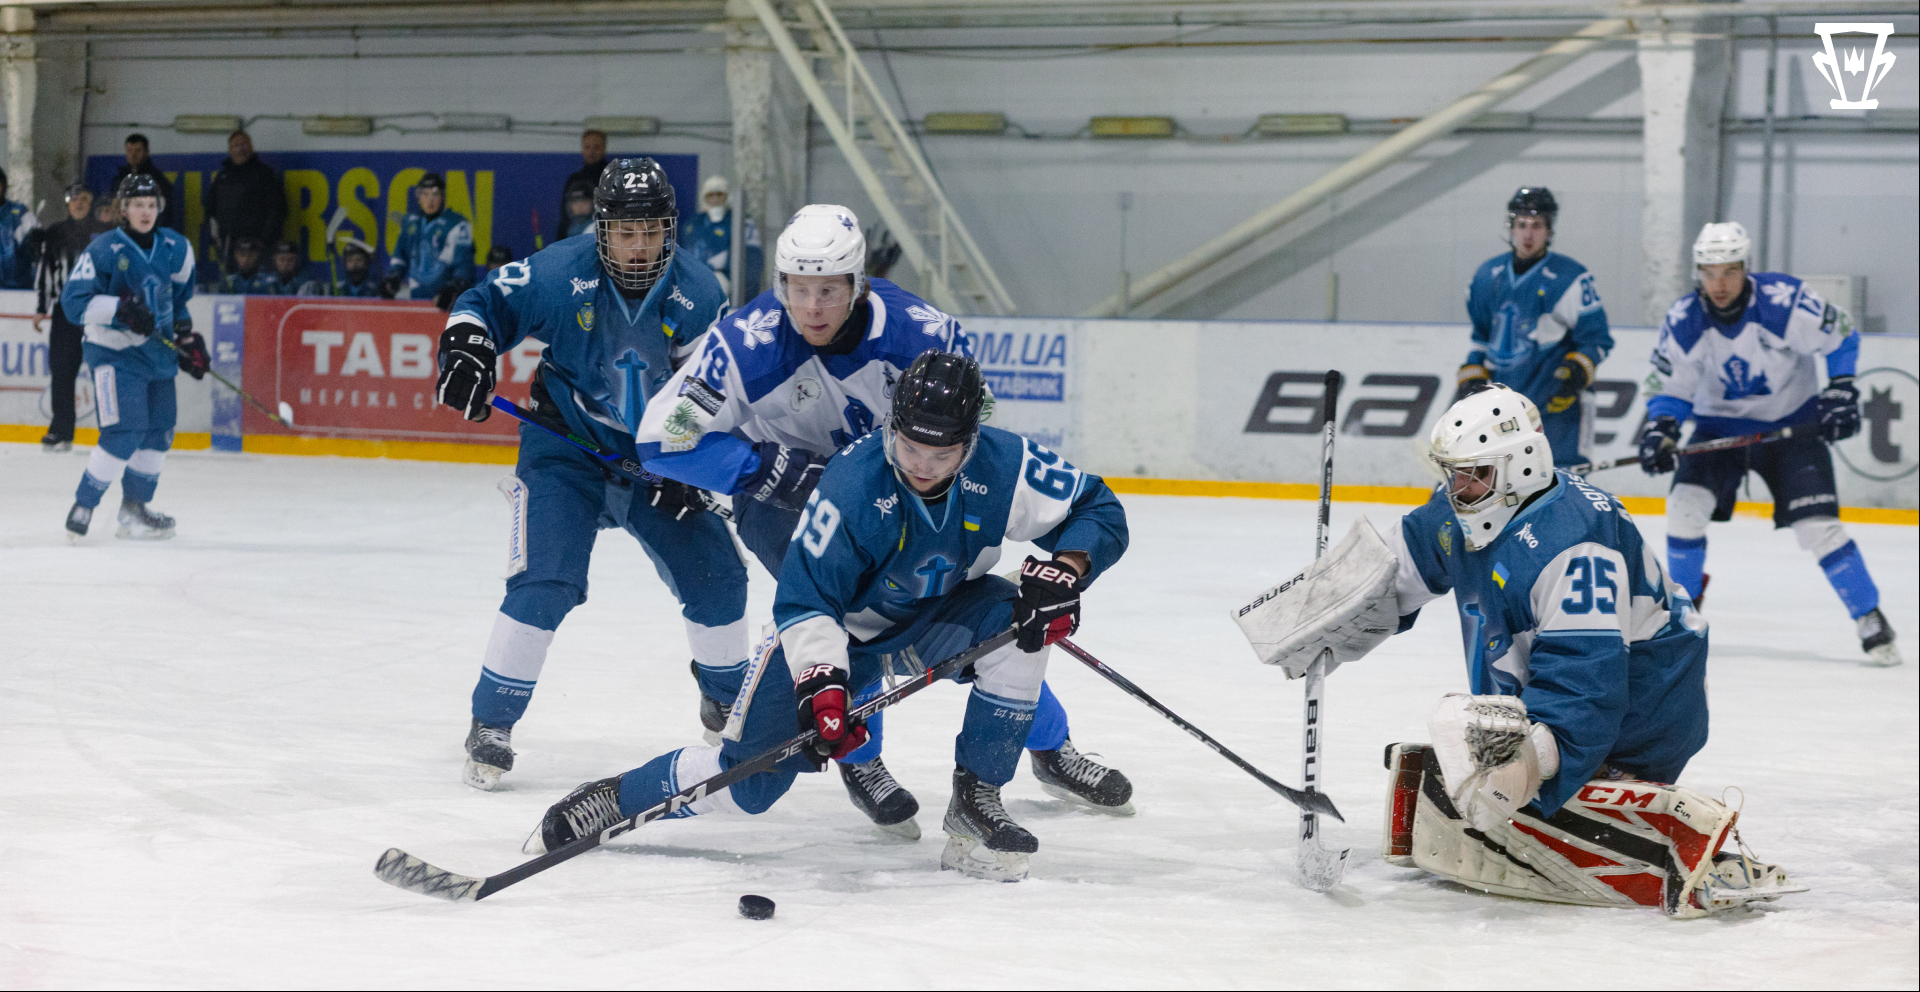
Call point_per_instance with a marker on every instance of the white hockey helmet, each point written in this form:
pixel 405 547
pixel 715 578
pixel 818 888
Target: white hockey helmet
pixel 822 239
pixel 714 184
pixel 1721 244
pixel 1492 454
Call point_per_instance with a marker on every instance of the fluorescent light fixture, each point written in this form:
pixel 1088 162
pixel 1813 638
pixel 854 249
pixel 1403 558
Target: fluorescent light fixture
pixel 474 122
pixel 206 123
pixel 1131 127
pixel 352 127
pixel 1283 125
pixel 965 123
pixel 1502 121
pixel 624 125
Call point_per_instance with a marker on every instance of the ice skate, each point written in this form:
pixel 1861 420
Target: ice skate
pixel 713 713
pixel 1068 774
pixel 489 755
pixel 52 444
pixel 141 524
pixel 885 801
pixel 1876 639
pixel 588 809
pixel 78 519
pixel 1736 880
pixel 982 840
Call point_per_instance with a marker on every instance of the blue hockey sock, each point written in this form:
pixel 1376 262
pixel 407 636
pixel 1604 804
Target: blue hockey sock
pixel 991 736
pixel 876 728
pixel 138 486
pixel 646 786
pixel 1847 572
pixel 90 491
pixel 1687 562
pixel 1049 723
pixel 721 683
pixel 499 701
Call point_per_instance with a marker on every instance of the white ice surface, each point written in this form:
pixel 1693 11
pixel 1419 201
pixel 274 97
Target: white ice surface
pixel 205 743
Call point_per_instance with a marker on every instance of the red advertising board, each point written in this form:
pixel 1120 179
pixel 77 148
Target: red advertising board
pixel 364 369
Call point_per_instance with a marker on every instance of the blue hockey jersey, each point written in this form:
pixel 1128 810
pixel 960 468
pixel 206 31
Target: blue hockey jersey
pixel 711 241
pixel 877 556
pixel 431 252
pixel 1758 373
pixel 16 262
pixel 756 377
pixel 114 265
pixel 610 353
pixel 1525 325
pixel 1571 611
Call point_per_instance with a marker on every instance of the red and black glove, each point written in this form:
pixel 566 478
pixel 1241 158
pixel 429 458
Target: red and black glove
pixel 1049 604
pixel 824 701
pixel 192 348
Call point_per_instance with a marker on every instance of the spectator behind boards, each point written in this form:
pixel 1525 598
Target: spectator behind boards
pixel 60 249
pixel 578 218
pixel 593 152
pixel 140 160
pixel 245 200
pixel 433 260
pixel 245 277
pixel 17 223
pixel 289 274
pixel 708 237
pixel 497 256
pixel 356 271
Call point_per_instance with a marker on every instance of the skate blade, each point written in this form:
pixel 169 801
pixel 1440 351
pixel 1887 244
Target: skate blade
pixel 534 845
pixel 1884 656
pixel 73 538
pixel 907 829
pixel 1059 792
pixel 1719 900
pixel 486 778
pixel 142 534
pixel 1006 866
pixel 1321 868
pixel 398 868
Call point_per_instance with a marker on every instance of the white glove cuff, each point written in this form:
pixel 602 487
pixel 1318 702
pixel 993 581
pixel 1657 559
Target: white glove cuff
pixel 1546 750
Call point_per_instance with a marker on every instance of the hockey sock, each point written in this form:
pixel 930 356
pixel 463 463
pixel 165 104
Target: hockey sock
pixel 876 726
pixel 1847 572
pixel 102 469
pixel 515 654
pixel 721 656
pixel 992 735
pixel 652 783
pixel 142 475
pixel 1049 723
pixel 1686 562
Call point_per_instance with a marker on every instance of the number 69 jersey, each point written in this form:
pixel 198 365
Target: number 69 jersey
pixel 873 556
pixel 1570 610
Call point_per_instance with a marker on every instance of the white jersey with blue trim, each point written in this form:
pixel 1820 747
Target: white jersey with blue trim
pixel 755 378
pixel 1757 373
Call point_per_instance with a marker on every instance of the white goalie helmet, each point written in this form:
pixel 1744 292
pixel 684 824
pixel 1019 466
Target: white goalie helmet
pixel 822 239
pixel 1492 455
pixel 1721 244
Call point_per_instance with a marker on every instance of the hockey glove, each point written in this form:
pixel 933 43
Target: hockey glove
pixel 449 293
pixel 192 348
pixel 134 315
pixel 1839 409
pixel 1574 375
pixel 676 499
pixel 786 476
pixel 824 701
pixel 1049 604
pixel 1471 379
pixel 390 285
pixel 1657 446
pixel 466 370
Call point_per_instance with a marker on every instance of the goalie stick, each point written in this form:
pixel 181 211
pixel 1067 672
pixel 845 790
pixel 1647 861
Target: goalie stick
pixel 1717 444
pixel 1315 801
pixel 398 868
pixel 1319 867
pixel 615 460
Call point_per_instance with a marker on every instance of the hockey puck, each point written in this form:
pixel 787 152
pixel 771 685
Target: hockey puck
pixel 756 907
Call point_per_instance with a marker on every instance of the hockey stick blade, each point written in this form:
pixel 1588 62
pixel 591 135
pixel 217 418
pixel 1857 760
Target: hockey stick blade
pixel 1320 867
pixel 1316 802
pixel 398 868
pixel 403 870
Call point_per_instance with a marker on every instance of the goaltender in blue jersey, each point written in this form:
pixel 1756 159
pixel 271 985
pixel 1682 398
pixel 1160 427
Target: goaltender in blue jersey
pixel 617 311
pixel 776 387
pixel 891 569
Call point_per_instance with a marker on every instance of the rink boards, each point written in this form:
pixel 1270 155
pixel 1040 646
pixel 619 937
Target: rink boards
pixel 1195 407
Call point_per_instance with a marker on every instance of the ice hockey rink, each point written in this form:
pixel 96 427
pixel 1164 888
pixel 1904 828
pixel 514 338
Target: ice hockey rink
pixel 208 741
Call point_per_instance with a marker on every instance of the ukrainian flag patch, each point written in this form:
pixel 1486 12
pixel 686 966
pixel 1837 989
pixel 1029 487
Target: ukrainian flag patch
pixel 969 521
pixel 1500 574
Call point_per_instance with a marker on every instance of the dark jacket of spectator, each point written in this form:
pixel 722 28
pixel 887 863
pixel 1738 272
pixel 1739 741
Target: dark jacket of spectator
pixel 61 247
pixel 589 174
pixel 171 216
pixel 247 200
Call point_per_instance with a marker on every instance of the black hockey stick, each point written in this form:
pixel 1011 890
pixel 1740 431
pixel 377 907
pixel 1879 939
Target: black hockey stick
pixel 397 867
pixel 1319 866
pixel 615 460
pixel 1717 444
pixel 1316 801
pixel 284 418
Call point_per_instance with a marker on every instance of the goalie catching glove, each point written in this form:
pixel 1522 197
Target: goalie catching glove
pixel 1492 759
pixel 1344 601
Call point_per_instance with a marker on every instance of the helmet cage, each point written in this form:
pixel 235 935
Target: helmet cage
pixel 634 273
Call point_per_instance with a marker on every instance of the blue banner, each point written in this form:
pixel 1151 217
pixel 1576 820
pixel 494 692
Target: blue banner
pixel 511 198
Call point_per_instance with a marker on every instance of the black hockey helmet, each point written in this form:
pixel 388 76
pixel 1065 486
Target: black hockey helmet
pixel 634 195
pixel 432 180
pixel 499 255
pixel 937 401
pixel 138 184
pixel 1534 201
pixel 247 242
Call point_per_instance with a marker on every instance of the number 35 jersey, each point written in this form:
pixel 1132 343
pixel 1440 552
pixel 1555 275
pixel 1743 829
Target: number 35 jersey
pixel 872 556
pixel 1570 610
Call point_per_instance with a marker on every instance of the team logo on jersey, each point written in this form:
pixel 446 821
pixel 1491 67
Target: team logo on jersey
pixel 123 263
pixel 757 327
pixel 584 285
pixel 682 427
pixel 1740 380
pixel 932 322
pixel 675 295
pixel 1778 293
pixel 1526 534
pixel 806 392
pixel 585 318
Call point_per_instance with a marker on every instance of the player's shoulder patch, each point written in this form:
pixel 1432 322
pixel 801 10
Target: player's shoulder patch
pixel 1684 322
